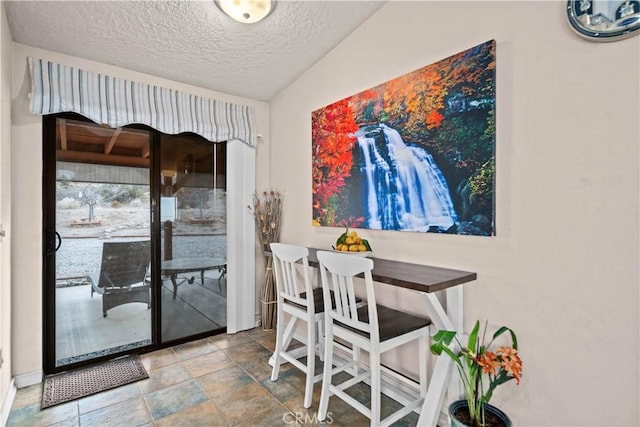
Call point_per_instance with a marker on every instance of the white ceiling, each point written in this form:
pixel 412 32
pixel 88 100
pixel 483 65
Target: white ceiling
pixel 192 41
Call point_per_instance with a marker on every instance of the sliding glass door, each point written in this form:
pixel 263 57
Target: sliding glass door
pixel 194 246
pixel 135 240
pixel 98 241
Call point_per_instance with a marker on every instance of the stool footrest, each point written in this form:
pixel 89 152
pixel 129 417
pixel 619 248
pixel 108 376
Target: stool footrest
pixel 352 381
pixel 351 401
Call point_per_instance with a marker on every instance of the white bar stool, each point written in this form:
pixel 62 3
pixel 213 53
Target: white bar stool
pixel 303 303
pixel 371 327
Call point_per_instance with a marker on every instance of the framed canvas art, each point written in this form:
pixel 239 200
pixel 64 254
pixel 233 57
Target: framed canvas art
pixel 416 153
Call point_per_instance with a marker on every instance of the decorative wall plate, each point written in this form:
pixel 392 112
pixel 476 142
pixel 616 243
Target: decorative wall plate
pixel 604 20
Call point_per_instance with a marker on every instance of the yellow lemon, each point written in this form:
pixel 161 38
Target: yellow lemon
pixel 349 241
pixel 353 235
pixel 362 248
pixel 353 248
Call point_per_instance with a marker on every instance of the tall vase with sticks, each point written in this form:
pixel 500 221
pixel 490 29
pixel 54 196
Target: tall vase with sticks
pixel 267 211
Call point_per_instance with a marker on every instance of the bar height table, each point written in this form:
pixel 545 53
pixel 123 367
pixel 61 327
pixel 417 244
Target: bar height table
pixel 426 280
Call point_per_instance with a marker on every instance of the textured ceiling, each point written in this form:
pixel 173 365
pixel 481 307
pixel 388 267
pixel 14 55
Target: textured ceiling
pixel 192 41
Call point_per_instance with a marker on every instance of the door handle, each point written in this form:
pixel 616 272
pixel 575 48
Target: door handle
pixel 53 242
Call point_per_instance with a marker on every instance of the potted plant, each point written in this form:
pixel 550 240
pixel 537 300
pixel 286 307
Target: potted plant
pixel 481 371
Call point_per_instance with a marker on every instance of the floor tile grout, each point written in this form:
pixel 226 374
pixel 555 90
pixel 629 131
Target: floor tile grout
pixel 159 409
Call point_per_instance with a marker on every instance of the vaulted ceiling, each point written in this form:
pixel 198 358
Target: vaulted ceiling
pixel 192 41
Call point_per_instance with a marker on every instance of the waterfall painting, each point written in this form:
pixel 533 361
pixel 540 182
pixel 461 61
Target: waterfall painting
pixel 416 153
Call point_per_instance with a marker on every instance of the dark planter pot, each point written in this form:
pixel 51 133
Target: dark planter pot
pixel 459 414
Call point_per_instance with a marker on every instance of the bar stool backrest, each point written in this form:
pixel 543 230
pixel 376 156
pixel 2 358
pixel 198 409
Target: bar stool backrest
pixel 337 273
pixel 285 259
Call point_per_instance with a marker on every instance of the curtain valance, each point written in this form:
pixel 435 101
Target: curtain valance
pixel 116 102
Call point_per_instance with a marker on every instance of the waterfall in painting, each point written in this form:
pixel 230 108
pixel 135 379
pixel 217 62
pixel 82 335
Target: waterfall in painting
pixel 403 188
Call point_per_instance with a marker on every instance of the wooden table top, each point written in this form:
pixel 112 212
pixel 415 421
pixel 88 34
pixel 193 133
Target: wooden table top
pixel 422 278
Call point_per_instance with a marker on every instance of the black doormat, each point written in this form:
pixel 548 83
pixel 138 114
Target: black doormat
pixel 68 386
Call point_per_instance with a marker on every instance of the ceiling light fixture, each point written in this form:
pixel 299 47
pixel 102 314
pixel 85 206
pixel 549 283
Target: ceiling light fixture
pixel 246 11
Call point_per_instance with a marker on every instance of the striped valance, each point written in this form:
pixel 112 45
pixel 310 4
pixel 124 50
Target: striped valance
pixel 116 102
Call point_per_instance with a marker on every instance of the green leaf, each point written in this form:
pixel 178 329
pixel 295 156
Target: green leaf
pixel 343 237
pixel 454 357
pixel 473 338
pixel 443 338
pixel 365 242
pixel 504 329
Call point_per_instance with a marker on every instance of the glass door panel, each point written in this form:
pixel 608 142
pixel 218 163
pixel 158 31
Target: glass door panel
pixel 194 246
pixel 103 239
pixel 103 242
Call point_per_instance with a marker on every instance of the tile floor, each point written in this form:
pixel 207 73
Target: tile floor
pixel 217 381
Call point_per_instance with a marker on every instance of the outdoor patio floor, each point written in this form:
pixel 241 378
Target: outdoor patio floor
pixel 83 331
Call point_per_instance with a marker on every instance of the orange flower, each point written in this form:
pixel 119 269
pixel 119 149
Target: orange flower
pixel 489 362
pixel 511 362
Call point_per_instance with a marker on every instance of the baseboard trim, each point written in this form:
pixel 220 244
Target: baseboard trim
pixel 25 380
pixel 258 320
pixel 7 402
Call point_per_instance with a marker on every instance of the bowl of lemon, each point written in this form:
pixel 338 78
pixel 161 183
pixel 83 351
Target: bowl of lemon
pixel 351 243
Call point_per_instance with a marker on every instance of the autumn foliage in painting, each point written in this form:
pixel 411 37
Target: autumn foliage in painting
pixel 446 107
pixel 333 128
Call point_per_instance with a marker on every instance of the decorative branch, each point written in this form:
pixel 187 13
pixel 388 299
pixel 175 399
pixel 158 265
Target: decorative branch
pixel 267 211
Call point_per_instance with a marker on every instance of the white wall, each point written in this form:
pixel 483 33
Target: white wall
pixel 563 268
pixel 27 201
pixel 5 215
